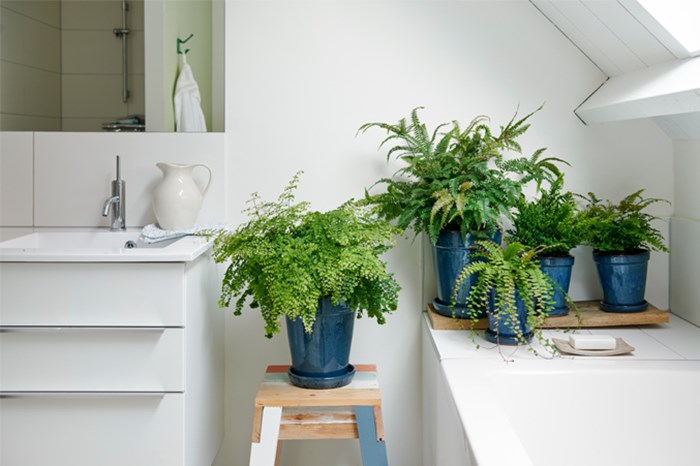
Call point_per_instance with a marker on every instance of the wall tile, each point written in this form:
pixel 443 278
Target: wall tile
pixel 685 257
pixel 74 171
pixel 90 14
pixel 12 87
pixel 11 232
pixel 91 52
pixel 16 179
pixel 41 45
pixel 11 25
pixel 82 124
pixel 42 93
pixel 136 19
pixel 30 42
pixel 28 123
pixel 46 11
pixel 136 103
pixel 93 96
pixel 136 52
pixel 14 5
pixel 686 173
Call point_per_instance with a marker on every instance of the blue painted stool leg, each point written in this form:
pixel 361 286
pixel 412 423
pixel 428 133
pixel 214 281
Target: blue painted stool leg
pixel 373 450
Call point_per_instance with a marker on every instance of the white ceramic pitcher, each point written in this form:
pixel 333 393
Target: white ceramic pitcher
pixel 177 198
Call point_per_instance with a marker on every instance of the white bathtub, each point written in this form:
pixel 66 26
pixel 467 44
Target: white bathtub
pixel 583 412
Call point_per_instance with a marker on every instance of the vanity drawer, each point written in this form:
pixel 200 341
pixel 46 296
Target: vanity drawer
pixel 91 359
pixel 92 429
pixel 83 294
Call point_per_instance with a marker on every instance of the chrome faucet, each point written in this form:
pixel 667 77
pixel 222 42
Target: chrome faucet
pixel 117 203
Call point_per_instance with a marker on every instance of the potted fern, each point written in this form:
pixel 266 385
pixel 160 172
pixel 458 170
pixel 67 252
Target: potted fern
pixel 551 220
pixel 456 187
pixel 318 270
pixel 622 237
pixel 512 288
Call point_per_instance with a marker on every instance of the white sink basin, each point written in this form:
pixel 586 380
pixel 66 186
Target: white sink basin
pixel 98 246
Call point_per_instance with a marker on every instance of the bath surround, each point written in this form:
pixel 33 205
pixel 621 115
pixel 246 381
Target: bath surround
pixel 635 409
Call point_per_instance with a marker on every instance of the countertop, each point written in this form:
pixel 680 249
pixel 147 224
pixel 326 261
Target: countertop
pixel 676 340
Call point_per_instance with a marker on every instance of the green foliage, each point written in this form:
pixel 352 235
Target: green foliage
pixel 621 228
pixel 551 221
pixel 458 178
pixel 286 258
pixel 503 271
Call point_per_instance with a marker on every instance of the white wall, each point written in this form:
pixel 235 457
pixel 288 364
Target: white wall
pixel 60 179
pixel 685 231
pixel 303 76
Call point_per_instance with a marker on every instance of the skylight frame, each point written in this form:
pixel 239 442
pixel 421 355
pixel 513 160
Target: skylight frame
pixel 680 18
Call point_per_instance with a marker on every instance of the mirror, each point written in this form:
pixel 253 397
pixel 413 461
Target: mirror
pixel 107 65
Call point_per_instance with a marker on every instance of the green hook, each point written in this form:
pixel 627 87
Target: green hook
pixel 180 41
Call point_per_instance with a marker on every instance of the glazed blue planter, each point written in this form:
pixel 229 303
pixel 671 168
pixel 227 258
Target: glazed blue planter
pixel 450 255
pixel 559 270
pixel 502 330
pixel 623 278
pixel 320 358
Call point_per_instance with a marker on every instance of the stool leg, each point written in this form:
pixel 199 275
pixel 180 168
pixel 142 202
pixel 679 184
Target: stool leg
pixel 279 453
pixel 373 450
pixel 265 452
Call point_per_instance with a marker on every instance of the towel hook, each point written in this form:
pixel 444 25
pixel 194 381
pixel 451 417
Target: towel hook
pixel 180 42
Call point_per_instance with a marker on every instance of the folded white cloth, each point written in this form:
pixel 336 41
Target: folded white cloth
pixel 152 234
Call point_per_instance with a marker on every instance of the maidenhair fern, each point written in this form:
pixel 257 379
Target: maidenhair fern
pixel 502 272
pixel 285 258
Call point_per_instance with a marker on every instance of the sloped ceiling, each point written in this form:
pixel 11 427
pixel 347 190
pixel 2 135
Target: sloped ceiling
pixel 650 74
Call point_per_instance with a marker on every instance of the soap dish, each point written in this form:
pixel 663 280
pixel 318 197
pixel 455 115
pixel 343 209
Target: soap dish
pixel 621 348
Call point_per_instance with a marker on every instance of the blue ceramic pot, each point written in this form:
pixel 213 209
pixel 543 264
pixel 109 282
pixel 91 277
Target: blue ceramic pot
pixel 320 358
pixel 623 278
pixel 559 270
pixel 450 255
pixel 503 330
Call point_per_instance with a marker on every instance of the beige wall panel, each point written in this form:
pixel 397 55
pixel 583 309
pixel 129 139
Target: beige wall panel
pixel 46 11
pixel 83 124
pixel 135 48
pixel 12 88
pixel 90 14
pixel 91 52
pixel 28 123
pixel 136 103
pixel 42 93
pixel 92 96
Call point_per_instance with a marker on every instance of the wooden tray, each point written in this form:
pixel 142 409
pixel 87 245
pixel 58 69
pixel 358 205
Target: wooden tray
pixel 591 316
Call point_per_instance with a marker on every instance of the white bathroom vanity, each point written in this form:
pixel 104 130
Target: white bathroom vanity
pixel 110 354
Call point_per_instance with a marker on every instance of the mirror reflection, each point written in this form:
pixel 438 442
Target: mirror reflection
pixel 111 65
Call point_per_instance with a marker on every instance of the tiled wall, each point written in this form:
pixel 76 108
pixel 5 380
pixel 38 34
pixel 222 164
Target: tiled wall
pixel 92 63
pixel 30 65
pixel 56 179
pixel 61 64
pixel 685 231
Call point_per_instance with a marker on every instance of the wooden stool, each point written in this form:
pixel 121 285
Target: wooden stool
pixel 286 412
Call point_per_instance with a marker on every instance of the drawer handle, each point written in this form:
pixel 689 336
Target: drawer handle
pixel 27 329
pixel 19 395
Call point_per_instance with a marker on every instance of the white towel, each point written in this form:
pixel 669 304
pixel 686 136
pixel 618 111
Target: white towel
pixel 152 234
pixel 188 107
